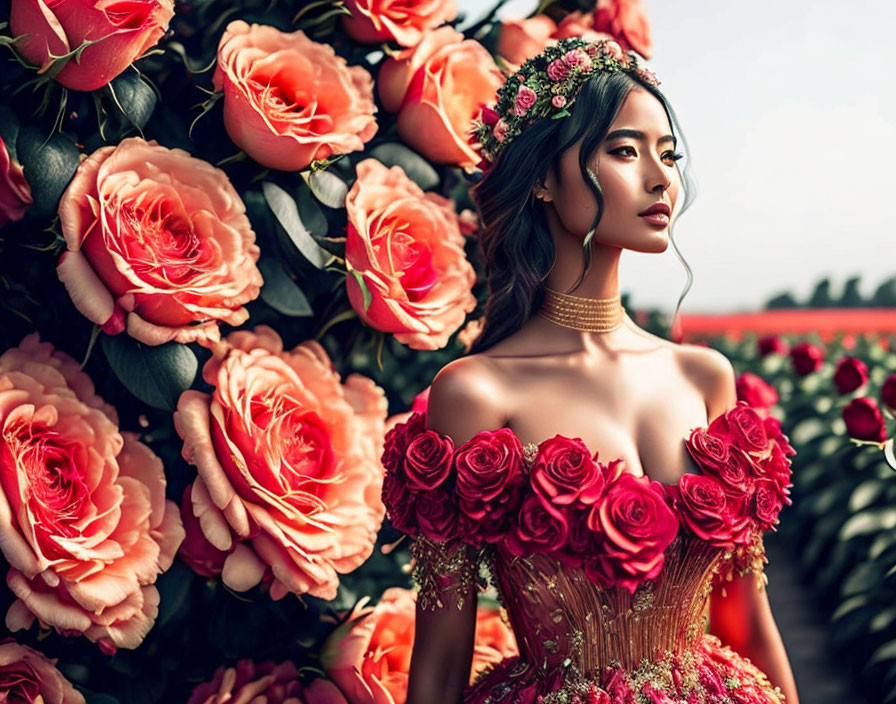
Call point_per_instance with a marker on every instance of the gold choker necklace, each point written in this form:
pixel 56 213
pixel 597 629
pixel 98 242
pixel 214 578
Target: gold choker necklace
pixel 578 313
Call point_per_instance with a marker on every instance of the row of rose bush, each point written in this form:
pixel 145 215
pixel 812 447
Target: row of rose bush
pixel 838 400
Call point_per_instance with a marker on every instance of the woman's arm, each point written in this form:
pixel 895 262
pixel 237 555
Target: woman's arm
pixel 463 400
pixel 743 619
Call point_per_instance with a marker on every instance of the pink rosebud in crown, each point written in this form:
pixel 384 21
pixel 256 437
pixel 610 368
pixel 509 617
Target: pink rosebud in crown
pixel 613 50
pixel 525 99
pixel 557 70
pixel 500 130
pixel 573 57
pixel 558 101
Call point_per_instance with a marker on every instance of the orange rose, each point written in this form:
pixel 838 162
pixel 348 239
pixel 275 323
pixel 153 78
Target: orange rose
pixel 122 32
pixel 84 522
pixel 158 242
pixel 264 682
pixel 443 97
pixel 397 71
pixel 407 247
pixel 30 677
pixel 289 100
pixel 405 21
pixel 288 459
pixel 627 22
pixel 523 39
pixel 15 193
pixel 579 24
pixel 494 640
pixel 369 655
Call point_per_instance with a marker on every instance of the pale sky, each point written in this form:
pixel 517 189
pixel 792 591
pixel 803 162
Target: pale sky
pixel 792 132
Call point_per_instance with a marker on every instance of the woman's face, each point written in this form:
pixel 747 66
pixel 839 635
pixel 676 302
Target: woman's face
pixel 635 167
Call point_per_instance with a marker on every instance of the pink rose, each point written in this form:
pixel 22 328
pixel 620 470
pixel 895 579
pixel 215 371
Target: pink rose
pixel 500 130
pixel 158 242
pixel 539 527
pixel 15 193
pixel 289 100
pixel 84 522
pixel 407 247
pixel 771 344
pixel 525 99
pixel 405 21
pixel 121 33
pixel 709 512
pixel 557 70
pixel 888 392
pixel 558 101
pixel 632 526
pixel 806 358
pixel 755 391
pixel 564 471
pixel 523 39
pixel 864 420
pixel 268 682
pixel 627 22
pixel 489 480
pixel 29 677
pixel 851 374
pixel 288 459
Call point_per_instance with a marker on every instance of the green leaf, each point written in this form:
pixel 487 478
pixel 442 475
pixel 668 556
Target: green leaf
pixel 885 652
pixel 328 188
pixel 155 375
pixel 865 494
pixel 864 577
pixel 287 213
pixel 418 169
pixel 174 586
pixel 280 292
pixel 359 277
pixel 868 522
pixel 49 164
pixel 134 97
pixel 312 216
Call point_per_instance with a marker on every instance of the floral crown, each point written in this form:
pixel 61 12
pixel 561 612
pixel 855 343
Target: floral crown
pixel 545 86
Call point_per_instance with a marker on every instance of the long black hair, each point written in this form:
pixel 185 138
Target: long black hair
pixel 516 245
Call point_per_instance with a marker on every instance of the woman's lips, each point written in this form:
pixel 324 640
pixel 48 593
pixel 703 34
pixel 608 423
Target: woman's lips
pixel 660 220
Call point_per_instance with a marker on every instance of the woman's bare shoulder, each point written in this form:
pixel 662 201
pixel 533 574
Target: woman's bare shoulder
pixel 467 396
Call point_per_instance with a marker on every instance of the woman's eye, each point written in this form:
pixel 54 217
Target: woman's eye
pixel 620 150
pixel 674 156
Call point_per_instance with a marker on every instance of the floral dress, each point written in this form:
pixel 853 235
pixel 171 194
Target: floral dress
pixel 604 575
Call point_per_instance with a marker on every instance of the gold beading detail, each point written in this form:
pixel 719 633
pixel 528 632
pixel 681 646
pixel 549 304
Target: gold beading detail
pixel 579 313
pixel 444 572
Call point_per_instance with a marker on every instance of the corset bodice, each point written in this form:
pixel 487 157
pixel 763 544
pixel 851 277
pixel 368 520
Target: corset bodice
pixel 558 613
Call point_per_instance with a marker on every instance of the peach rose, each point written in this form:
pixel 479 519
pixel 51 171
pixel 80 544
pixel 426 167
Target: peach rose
pixel 123 31
pixel 407 247
pixel 494 640
pixel 443 96
pixel 263 682
pixel 523 39
pixel 29 677
pixel 158 242
pixel 289 100
pixel 15 193
pixel 627 22
pixel 405 21
pixel 288 458
pixel 369 655
pixel 397 71
pixel 84 522
pixel 579 24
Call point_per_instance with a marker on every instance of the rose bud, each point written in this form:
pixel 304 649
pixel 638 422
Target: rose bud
pixel 806 358
pixel 864 420
pixel 851 374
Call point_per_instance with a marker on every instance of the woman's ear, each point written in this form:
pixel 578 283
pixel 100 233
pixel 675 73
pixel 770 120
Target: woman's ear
pixel 544 188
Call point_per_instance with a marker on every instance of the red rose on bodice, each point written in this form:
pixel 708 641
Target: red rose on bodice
pixel 765 504
pixel 428 460
pixel 709 512
pixel 754 390
pixel 489 479
pixel 708 450
pixel 540 528
pixel 744 426
pixel 564 471
pixel 632 526
pixel 436 514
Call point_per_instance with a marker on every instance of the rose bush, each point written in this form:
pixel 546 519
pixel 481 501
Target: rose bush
pixel 15 193
pixel 404 21
pixel 288 459
pixel 121 32
pixel 268 682
pixel 84 522
pixel 29 677
pixel 406 246
pixel 158 243
pixel 289 100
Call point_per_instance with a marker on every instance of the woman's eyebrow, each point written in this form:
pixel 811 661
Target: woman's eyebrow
pixel 637 134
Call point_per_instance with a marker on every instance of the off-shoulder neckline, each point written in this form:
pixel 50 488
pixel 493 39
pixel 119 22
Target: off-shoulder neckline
pixel 591 450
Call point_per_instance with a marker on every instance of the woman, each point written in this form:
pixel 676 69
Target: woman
pixel 571 451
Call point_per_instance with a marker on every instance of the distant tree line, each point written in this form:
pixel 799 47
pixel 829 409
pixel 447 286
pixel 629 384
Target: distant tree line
pixel 851 297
